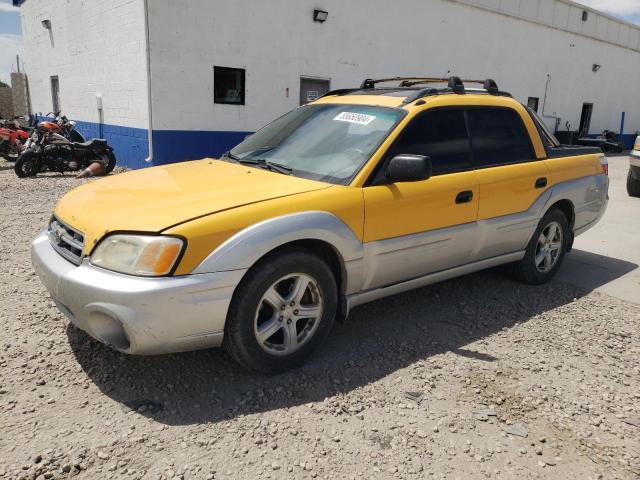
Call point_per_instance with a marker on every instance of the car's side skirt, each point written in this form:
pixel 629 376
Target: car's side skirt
pixel 378 293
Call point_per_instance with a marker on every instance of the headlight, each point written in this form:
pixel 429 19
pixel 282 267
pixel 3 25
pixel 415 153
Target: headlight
pixel 143 255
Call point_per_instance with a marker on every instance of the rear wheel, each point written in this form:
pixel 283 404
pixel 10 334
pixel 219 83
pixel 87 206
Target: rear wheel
pixel 281 312
pixel 111 163
pixel 546 250
pixel 633 185
pixel 13 153
pixel 27 164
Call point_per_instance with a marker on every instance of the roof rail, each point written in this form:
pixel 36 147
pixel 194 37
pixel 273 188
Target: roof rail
pixel 454 85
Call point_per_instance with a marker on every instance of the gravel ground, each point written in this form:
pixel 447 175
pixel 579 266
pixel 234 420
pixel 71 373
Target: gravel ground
pixel 475 378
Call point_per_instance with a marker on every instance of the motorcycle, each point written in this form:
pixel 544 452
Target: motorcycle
pixel 12 138
pixel 52 146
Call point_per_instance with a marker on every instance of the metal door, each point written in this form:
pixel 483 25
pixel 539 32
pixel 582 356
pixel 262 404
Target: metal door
pixel 311 89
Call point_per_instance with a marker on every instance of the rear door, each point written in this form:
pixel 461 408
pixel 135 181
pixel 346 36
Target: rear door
pixel 415 228
pixel 510 176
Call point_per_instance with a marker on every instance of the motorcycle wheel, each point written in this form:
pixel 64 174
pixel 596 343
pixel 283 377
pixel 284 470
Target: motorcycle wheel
pixel 27 164
pixel 111 163
pixel 13 154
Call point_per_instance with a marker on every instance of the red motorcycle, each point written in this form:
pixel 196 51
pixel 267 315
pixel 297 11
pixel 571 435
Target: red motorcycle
pixel 12 138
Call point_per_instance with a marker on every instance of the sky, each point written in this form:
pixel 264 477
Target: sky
pixel 11 43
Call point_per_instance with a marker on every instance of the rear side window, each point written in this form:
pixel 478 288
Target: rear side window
pixel 498 137
pixel 441 135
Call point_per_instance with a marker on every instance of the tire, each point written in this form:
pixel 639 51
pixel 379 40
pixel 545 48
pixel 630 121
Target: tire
pixel 269 339
pixel 111 163
pixel 633 185
pixel 27 164
pixel 531 269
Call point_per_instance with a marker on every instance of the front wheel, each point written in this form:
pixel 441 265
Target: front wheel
pixel 27 164
pixel 281 312
pixel 546 250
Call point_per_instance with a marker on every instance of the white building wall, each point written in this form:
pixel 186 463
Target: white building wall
pixel 516 42
pixel 94 47
pixel 99 46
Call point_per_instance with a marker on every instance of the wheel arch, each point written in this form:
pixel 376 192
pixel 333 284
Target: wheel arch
pixel 319 232
pixel 568 208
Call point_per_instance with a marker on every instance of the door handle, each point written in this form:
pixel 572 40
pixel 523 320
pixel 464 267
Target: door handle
pixel 541 182
pixel 464 197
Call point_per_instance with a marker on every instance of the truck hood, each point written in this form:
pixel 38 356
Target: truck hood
pixel 154 199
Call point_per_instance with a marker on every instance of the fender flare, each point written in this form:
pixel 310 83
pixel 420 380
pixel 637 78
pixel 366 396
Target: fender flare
pixel 246 247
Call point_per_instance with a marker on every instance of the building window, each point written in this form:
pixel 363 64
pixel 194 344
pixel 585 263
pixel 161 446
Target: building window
pixel 55 94
pixel 533 103
pixel 228 85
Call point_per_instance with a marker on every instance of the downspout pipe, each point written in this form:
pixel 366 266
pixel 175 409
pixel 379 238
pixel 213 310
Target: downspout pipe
pixel 149 159
pixel 544 104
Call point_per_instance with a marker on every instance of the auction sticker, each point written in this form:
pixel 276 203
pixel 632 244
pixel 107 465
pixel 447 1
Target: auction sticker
pixel 351 117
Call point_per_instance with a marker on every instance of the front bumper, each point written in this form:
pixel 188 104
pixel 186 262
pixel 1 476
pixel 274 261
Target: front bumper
pixel 137 315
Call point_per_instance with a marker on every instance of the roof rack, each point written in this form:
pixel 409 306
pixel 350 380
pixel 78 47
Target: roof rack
pixel 454 85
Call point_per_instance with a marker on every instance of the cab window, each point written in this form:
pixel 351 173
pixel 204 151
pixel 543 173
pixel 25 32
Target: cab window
pixel 441 135
pixel 498 137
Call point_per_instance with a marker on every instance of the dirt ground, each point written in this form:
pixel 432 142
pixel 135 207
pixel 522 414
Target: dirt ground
pixel 475 378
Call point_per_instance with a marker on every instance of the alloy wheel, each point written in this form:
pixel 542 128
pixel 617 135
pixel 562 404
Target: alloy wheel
pixel 288 314
pixel 549 247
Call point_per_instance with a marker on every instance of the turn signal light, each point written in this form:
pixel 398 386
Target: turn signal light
pixel 604 163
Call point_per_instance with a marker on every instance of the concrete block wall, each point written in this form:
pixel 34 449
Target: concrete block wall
pixel 6 102
pixel 20 93
pixel 94 47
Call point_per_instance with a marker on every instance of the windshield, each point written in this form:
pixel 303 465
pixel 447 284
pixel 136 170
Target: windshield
pixel 326 142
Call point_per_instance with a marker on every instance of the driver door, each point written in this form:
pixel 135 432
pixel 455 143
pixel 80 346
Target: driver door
pixel 415 228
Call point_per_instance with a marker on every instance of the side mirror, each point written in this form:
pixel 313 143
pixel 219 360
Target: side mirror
pixel 408 168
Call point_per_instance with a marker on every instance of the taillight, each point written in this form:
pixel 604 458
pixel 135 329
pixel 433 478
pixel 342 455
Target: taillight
pixel 604 163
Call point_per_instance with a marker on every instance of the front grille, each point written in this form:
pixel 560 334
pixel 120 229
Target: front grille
pixel 67 241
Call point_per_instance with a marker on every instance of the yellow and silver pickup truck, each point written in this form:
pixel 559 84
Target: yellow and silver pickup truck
pixel 364 193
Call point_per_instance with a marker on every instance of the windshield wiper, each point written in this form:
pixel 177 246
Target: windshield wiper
pixel 266 164
pixel 230 156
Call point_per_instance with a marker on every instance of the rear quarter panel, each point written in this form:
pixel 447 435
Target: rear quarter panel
pixel 580 180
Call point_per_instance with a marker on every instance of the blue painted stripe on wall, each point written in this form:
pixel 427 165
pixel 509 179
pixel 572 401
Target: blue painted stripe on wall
pixel 170 146
pixel 131 145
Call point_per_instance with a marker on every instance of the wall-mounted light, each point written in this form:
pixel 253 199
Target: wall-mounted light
pixel 320 16
pixel 596 67
pixel 46 24
pixel 585 15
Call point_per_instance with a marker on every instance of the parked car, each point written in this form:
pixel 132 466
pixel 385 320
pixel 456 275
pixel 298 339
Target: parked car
pixel 633 177
pixel 364 193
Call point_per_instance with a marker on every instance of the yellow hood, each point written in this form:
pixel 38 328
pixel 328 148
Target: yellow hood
pixel 154 199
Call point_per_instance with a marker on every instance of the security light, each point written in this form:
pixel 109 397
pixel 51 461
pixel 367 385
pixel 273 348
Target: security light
pixel 596 67
pixel 46 24
pixel 320 16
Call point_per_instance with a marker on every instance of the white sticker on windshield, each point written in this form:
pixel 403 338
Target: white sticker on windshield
pixel 359 118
